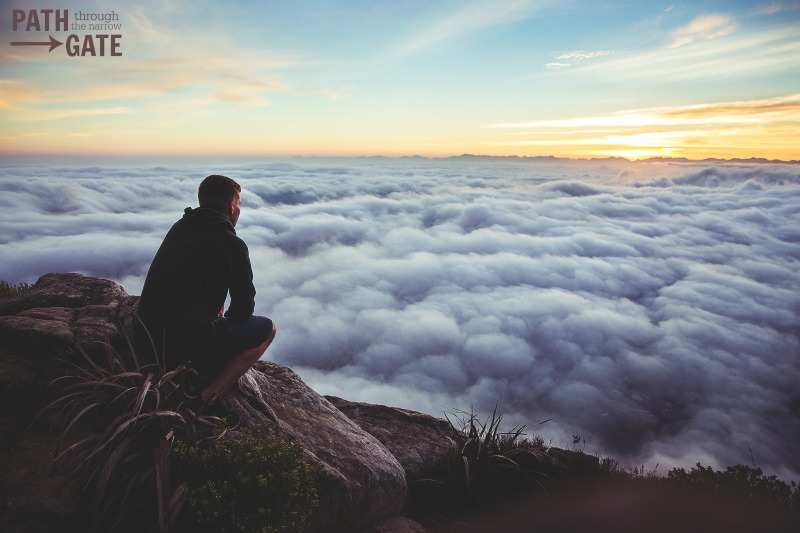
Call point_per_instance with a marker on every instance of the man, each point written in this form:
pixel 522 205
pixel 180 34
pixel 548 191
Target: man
pixel 200 261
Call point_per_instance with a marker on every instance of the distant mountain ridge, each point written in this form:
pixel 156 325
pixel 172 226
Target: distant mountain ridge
pixel 555 159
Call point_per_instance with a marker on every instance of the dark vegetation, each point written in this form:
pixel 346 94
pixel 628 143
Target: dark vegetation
pixel 489 468
pixel 249 484
pixel 8 289
pixel 140 456
pixel 740 481
pixel 512 479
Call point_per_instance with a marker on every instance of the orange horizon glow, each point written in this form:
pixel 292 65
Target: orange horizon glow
pixel 466 78
pixel 765 128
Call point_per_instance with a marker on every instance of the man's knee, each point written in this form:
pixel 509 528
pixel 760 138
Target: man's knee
pixel 266 330
pixel 259 350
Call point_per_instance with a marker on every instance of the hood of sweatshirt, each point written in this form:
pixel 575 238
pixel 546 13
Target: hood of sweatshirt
pixel 205 217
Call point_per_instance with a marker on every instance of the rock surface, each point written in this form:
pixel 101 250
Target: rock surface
pixel 61 311
pixel 71 291
pixel 359 481
pixel 417 440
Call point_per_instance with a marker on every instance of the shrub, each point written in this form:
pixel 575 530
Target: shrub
pixel 251 483
pixel 8 289
pixel 610 469
pixel 737 481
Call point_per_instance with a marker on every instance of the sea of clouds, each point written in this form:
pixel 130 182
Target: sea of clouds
pixel 651 309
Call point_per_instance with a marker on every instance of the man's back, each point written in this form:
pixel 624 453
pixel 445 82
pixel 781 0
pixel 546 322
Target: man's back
pixel 200 260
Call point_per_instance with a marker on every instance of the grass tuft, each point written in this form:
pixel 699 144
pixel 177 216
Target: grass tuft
pixel 490 467
pixel 122 422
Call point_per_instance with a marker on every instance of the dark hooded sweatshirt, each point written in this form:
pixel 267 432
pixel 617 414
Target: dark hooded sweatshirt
pixel 199 262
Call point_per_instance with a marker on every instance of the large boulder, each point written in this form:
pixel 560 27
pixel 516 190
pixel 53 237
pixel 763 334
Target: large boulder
pixel 64 290
pixel 359 481
pixel 419 441
pixel 63 311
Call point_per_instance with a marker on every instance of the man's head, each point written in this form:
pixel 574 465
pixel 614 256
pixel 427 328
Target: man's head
pixel 221 194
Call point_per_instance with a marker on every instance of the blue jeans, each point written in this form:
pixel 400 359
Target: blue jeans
pixel 231 337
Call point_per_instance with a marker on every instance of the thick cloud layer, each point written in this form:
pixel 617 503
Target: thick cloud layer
pixel 650 308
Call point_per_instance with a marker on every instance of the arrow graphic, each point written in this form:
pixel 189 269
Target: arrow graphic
pixel 53 43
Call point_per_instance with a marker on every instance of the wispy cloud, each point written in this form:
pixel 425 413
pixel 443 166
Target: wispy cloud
pixel 783 108
pixel 15 92
pixel 473 17
pixel 766 124
pixel 704 27
pixel 581 55
pixel 777 7
pixel 58 114
pixel 756 52
pixel 568 59
pixel 241 97
pixel 242 78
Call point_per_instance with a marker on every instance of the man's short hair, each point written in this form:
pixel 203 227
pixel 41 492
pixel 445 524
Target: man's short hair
pixel 217 192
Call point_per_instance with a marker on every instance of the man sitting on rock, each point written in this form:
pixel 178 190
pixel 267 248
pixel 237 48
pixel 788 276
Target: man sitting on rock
pixel 200 261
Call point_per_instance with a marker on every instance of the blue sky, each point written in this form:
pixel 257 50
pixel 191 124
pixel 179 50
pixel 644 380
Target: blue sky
pixel 575 78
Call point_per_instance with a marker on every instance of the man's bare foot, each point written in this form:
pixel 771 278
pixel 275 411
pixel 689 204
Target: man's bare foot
pixel 209 396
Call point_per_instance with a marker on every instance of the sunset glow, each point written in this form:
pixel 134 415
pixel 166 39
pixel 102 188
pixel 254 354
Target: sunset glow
pixel 526 77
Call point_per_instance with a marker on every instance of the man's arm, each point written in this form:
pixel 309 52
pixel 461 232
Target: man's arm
pixel 243 292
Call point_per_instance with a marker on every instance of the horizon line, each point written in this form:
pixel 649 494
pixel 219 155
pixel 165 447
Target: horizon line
pixel 654 159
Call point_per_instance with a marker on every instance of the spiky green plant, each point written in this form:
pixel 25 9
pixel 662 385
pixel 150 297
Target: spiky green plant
pixel 496 462
pixel 126 417
pixel 489 466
